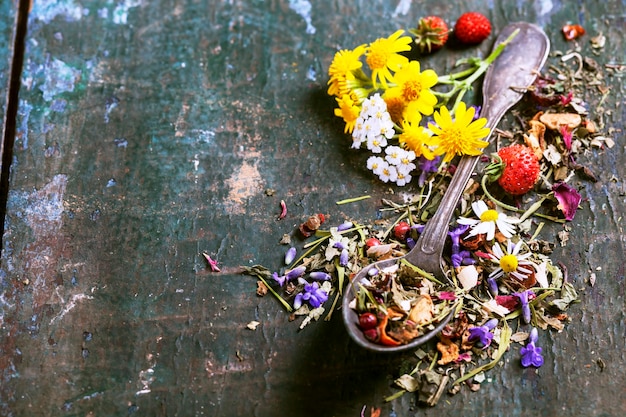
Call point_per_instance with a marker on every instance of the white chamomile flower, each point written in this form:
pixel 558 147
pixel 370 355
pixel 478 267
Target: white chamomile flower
pixel 488 220
pixel 511 262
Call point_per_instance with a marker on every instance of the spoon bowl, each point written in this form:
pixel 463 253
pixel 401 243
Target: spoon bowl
pixel 505 82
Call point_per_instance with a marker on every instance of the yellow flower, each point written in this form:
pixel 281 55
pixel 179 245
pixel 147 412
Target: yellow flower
pixel 416 138
pixel 461 135
pixel 349 111
pixel 395 105
pixel 415 88
pixel 340 70
pixel 382 56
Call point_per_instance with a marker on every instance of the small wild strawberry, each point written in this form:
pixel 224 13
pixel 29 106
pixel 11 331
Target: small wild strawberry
pixel 516 169
pixel 431 33
pixel 472 28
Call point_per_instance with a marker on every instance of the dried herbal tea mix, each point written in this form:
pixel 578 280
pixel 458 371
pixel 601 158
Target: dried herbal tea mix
pixel 500 274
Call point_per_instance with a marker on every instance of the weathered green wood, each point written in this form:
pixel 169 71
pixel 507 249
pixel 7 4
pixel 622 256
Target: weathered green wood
pixel 150 132
pixel 6 37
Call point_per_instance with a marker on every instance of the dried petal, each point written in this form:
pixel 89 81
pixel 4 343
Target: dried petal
pixel 283 210
pixel 468 277
pixel 449 351
pixel 568 199
pixel 212 263
pixel 555 121
pixel 422 311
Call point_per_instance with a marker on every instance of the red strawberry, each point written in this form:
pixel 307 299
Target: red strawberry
pixel 472 28
pixel 431 33
pixel 518 167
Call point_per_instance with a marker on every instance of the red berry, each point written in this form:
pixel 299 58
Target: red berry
pixel 373 335
pixel 372 241
pixel 368 321
pixel 431 33
pixel 472 28
pixel 521 169
pixel 401 230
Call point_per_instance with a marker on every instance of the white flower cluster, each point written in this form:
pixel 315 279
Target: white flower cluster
pixel 374 127
pixel 396 166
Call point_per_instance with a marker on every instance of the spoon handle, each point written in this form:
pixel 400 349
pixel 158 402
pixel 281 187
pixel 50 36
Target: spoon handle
pixel 517 66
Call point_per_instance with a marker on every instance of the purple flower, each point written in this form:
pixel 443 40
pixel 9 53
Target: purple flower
pixel 477 112
pixel 492 283
pixel 345 226
pixel 523 299
pixel 290 255
pixel 410 243
pixel 319 276
pixel 568 199
pixel 531 353
pixel 344 256
pixel 339 245
pixel 311 293
pixel 289 276
pixel 482 334
pixel 427 166
pixel 464 257
pixel 281 279
pixel 458 256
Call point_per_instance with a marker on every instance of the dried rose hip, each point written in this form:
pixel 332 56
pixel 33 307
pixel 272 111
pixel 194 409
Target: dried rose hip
pixel 368 321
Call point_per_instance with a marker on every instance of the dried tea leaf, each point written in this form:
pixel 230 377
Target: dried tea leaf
pixel 408 383
pixel 519 337
pixel 314 314
pixel 568 296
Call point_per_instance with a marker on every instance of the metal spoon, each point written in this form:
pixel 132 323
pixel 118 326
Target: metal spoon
pixel 505 81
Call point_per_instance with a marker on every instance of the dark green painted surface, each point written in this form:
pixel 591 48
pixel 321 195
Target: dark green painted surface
pixel 151 131
pixel 7 11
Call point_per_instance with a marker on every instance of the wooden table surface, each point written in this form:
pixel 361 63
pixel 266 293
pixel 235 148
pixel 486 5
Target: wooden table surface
pixel 149 132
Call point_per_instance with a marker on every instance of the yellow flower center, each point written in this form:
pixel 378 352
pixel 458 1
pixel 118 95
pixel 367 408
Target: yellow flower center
pixel 508 263
pixel 489 216
pixel 411 90
pixel 377 59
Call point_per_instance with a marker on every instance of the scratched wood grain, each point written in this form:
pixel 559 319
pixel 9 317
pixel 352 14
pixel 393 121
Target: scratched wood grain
pixel 150 132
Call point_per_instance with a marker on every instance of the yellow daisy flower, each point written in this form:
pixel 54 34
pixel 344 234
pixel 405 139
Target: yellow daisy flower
pixel 417 139
pixel 382 56
pixel 349 111
pixel 461 135
pixel 344 62
pixel 415 87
